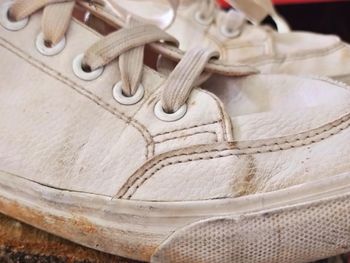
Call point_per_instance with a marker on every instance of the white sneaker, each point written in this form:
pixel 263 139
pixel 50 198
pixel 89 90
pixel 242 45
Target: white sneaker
pixel 102 150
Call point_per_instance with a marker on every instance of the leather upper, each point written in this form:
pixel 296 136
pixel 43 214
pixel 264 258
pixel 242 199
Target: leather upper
pixel 68 133
pixel 67 129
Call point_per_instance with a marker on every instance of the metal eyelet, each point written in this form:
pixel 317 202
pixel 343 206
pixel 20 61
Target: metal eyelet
pixel 6 22
pixel 226 32
pixel 119 96
pixel 49 51
pixel 169 117
pixel 81 73
pixel 202 20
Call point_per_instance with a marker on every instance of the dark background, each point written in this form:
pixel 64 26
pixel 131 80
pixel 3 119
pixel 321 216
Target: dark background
pixel 326 18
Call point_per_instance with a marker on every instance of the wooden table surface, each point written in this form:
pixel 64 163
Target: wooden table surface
pixel 21 243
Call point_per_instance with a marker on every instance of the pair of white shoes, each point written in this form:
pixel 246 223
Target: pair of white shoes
pixel 109 142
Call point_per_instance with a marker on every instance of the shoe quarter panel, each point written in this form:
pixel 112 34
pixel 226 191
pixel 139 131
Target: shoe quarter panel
pixel 246 168
pixel 57 129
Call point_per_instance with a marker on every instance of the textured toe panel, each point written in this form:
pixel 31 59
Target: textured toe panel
pixel 297 234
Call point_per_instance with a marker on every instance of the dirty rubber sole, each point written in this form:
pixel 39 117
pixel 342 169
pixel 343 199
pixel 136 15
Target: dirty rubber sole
pixel 303 233
pixel 140 230
pixel 22 243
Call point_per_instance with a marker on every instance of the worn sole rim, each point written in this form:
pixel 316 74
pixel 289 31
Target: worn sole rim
pixel 135 229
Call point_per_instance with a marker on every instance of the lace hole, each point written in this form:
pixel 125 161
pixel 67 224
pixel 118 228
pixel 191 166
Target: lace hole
pixel 86 68
pixel 10 17
pixel 226 32
pixel 169 117
pixel 48 43
pixel 200 18
pixel 7 22
pixel 83 72
pixel 46 48
pixel 120 97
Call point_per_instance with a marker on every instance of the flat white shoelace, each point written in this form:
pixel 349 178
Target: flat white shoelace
pixel 56 17
pixel 127 44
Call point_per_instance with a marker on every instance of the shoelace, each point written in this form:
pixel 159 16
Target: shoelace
pixel 56 17
pixel 127 44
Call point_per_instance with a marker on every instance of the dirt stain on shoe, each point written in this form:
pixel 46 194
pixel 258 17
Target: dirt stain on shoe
pixel 246 185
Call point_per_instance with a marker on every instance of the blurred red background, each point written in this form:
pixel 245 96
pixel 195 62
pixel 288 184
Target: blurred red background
pixel 302 1
pixel 224 4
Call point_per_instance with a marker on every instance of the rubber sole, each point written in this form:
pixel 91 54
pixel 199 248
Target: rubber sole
pixel 137 229
pixel 303 233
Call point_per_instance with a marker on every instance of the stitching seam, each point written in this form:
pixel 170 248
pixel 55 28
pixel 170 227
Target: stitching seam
pixel 296 57
pixel 185 129
pixel 220 64
pixel 220 113
pixel 238 152
pixel 188 135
